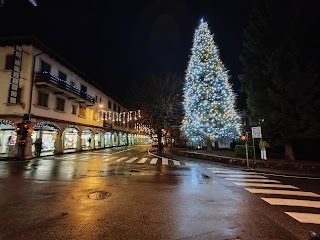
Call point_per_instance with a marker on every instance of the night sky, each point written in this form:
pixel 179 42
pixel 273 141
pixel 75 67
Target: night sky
pixel 116 43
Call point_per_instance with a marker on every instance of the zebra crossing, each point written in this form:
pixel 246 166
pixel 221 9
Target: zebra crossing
pixel 287 195
pixel 131 160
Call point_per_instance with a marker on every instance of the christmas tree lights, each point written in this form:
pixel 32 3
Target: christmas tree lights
pixel 209 101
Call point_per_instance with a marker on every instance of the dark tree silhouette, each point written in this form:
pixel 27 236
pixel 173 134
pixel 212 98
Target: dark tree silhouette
pixel 280 60
pixel 159 98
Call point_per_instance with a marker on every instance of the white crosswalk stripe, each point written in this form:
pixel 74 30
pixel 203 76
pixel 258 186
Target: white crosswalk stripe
pixel 260 184
pixel 175 162
pixel 131 160
pixel 143 160
pixel 121 159
pixel 154 161
pixel 165 161
pixel 265 185
pixel 240 176
pixel 252 180
pixel 282 192
pixel 292 202
pixel 108 158
pixel 305 217
pixel 234 172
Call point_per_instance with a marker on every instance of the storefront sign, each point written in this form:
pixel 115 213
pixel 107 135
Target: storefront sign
pixel 15 75
pixel 46 124
pixel 7 122
pixel 256 132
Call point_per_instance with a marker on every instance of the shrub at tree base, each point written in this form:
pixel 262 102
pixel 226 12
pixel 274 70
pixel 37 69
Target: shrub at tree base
pixel 240 151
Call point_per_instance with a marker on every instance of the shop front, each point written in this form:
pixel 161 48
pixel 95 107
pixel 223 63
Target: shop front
pixel 48 132
pixel 87 138
pixel 8 137
pixel 129 139
pixel 70 138
pixel 99 139
pixel 124 139
pixel 107 140
pixel 115 139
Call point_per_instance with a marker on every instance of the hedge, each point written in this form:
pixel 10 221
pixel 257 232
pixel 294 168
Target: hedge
pixel 240 151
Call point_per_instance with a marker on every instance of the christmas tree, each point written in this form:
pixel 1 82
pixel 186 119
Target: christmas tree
pixel 209 101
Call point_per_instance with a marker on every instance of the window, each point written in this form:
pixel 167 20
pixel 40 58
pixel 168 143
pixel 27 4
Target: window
pixel 60 104
pixel 118 109
pixel 43 99
pixel 82 111
pixel 74 109
pixel 45 67
pixel 72 83
pixel 83 91
pixel 9 62
pixel 62 76
pixel 100 100
pixel 109 104
pixel 114 107
pixel 83 88
pixel 19 95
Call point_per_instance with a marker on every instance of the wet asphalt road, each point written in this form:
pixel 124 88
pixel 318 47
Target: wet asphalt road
pixel 147 197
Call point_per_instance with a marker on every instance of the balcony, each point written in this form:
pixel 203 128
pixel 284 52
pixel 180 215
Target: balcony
pixel 61 87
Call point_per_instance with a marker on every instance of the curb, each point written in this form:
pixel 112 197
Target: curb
pixel 307 168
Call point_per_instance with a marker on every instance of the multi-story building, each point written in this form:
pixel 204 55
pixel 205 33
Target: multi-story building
pixel 57 102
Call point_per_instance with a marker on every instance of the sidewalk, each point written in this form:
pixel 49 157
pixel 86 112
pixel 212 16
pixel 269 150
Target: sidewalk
pixel 277 166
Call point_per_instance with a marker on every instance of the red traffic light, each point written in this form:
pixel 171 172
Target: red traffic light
pixel 26 125
pixel 243 137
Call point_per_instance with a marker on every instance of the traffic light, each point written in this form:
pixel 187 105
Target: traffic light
pixel 19 128
pixel 25 128
pixel 243 137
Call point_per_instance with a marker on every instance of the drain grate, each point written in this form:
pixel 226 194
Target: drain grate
pixel 99 195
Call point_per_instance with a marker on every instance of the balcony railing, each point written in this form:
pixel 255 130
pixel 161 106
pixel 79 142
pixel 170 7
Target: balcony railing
pixel 47 78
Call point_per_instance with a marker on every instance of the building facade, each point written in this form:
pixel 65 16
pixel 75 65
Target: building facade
pixel 59 104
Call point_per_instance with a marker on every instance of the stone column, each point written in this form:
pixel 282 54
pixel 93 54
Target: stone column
pixel 27 147
pixel 58 149
pixel 78 148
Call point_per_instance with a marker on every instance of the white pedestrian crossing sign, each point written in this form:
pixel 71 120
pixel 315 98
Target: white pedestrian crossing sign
pixel 256 132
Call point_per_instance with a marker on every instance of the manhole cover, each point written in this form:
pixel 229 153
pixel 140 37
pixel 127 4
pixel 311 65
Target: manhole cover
pixel 99 195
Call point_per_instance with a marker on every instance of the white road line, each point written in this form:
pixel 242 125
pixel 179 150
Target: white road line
pixel 282 192
pixel 240 176
pixel 121 159
pixel 132 160
pixel 165 161
pixel 175 162
pixel 219 169
pixel 265 185
pixel 154 161
pixel 292 202
pixel 188 164
pixel 252 180
pixel 143 160
pixel 305 217
pixel 234 172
